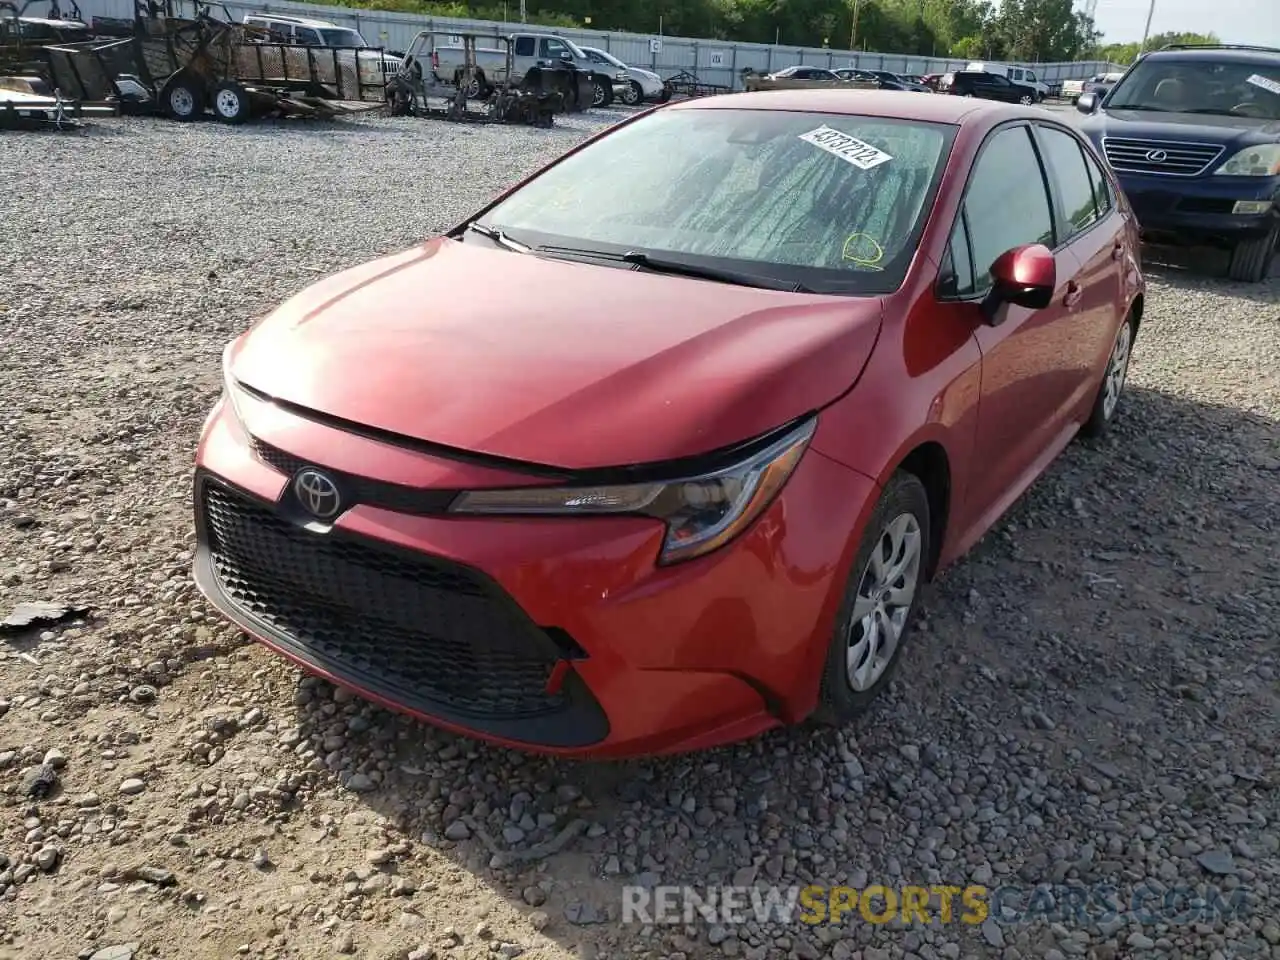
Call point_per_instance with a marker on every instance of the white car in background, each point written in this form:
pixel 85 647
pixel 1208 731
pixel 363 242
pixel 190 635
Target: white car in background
pixel 645 84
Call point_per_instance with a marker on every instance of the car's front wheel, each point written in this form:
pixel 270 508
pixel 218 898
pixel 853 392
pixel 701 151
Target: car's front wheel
pixel 633 94
pixel 879 601
pixel 1113 380
pixel 1251 260
pixel 1026 100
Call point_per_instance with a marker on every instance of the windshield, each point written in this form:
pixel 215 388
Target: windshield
pixel 834 203
pixel 1200 86
pixel 606 57
pixel 338 37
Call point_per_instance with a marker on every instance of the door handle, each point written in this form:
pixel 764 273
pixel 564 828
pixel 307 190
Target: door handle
pixel 1117 251
pixel 1074 293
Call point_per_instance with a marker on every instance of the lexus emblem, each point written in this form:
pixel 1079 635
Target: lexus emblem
pixel 1157 156
pixel 317 493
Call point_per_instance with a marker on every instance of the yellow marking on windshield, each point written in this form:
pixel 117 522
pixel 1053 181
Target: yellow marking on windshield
pixel 869 256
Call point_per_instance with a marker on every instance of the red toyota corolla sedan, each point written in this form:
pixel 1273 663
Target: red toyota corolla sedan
pixel 655 451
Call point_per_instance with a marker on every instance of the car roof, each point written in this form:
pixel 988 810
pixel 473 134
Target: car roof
pixel 1261 55
pixel 871 103
pixel 296 21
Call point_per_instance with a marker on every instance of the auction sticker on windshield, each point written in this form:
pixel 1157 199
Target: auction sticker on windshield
pixel 847 148
pixel 1265 83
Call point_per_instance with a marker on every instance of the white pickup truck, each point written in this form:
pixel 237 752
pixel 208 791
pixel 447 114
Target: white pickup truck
pixel 448 62
pixel 1099 83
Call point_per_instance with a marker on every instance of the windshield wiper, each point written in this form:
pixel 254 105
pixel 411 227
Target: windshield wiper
pixel 677 267
pixel 498 237
pixel 684 269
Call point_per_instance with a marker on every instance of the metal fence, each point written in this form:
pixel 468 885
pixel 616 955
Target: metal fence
pixel 718 62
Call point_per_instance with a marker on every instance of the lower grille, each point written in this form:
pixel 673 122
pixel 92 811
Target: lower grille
pixel 419 630
pixel 1159 157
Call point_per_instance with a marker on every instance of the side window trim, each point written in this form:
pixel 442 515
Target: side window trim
pixel 1099 174
pixel 961 223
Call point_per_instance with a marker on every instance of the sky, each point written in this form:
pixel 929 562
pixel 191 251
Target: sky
pixel 1234 21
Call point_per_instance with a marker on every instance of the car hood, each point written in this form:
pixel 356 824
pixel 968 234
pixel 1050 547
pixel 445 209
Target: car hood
pixel 559 364
pixel 1147 125
pixel 643 74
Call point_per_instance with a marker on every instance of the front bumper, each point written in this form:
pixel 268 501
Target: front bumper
pixel 1198 210
pixel 552 635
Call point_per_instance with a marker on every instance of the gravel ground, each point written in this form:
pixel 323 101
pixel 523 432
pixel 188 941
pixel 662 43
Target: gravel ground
pixel 1093 697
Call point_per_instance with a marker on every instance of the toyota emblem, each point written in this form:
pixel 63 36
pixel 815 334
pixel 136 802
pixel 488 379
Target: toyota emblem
pixel 317 493
pixel 1157 156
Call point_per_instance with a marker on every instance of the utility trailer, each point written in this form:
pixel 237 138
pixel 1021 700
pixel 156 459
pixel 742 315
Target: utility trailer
pixel 530 96
pixel 686 84
pixel 181 66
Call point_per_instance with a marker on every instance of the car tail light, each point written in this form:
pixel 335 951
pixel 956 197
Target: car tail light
pixel 435 59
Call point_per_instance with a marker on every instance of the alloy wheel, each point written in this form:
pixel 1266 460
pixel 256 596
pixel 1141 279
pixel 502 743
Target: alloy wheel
pixel 885 594
pixel 1117 369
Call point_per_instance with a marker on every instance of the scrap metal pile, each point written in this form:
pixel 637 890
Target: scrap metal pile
pixel 533 97
pixel 27 97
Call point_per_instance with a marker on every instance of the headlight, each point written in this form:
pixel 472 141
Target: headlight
pixel 230 389
pixel 1260 161
pixel 702 513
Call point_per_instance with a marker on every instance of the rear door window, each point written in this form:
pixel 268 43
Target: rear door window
pixel 524 46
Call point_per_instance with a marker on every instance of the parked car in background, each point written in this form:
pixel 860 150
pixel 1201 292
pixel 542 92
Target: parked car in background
pixel 932 80
pixel 1193 134
pixel 1022 76
pixel 882 80
pixel 893 81
pixel 681 475
pixel 643 84
pixel 1098 84
pixel 987 86
pixel 805 73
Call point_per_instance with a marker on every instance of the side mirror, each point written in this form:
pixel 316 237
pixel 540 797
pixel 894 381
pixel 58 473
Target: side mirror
pixel 566 55
pixel 1025 276
pixel 1087 103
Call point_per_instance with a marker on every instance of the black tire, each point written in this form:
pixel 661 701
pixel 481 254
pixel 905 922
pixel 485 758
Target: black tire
pixel 839 702
pixel 1251 259
pixel 634 94
pixel 183 99
pixel 399 98
pixel 1104 410
pixel 231 102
